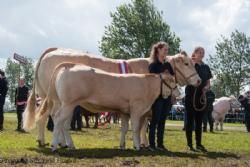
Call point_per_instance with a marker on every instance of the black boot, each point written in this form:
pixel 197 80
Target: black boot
pixel 201 148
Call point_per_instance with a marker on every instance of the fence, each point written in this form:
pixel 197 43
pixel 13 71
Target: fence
pixel 236 117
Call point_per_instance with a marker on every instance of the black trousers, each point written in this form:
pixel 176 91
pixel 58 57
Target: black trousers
pixel 50 124
pixel 76 122
pixel 1 116
pixel 247 122
pixel 207 118
pixel 193 117
pixel 20 110
pixel 160 110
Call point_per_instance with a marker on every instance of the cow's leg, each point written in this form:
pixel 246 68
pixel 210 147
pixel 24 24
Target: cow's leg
pixel 221 125
pixel 96 120
pixel 66 134
pixel 144 139
pixel 86 116
pixel 61 137
pixel 124 130
pixel 41 124
pixel 60 120
pixel 216 125
pixel 135 122
pixel 57 129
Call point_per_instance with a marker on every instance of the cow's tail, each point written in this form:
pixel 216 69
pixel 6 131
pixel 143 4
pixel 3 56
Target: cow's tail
pixel 29 113
pixel 48 103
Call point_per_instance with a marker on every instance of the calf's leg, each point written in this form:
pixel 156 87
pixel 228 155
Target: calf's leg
pixel 124 130
pixel 144 139
pixel 135 122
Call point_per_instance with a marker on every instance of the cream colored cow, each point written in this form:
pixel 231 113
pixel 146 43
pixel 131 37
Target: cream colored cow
pixel 181 63
pixel 98 91
pixel 221 107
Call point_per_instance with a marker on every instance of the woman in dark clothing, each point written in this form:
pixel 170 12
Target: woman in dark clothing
pixel 161 106
pixel 193 99
pixel 3 93
pixel 21 98
pixel 245 102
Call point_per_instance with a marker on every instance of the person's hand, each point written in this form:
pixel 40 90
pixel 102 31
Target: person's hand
pixel 204 90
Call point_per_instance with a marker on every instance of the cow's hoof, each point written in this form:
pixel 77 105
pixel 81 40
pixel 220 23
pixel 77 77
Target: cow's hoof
pixel 122 148
pixel 63 146
pixel 71 147
pixel 95 127
pixel 137 148
pixel 54 150
pixel 42 144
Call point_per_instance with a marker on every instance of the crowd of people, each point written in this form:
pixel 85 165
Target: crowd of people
pixel 198 102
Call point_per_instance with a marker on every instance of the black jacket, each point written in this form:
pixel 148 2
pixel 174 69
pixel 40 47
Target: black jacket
pixel 204 73
pixel 3 90
pixel 158 67
pixel 245 102
pixel 210 100
pixel 21 94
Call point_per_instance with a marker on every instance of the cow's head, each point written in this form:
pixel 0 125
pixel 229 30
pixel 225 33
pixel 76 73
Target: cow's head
pixel 183 67
pixel 234 102
pixel 169 85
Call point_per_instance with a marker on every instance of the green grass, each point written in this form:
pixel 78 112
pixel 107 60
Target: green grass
pixel 99 148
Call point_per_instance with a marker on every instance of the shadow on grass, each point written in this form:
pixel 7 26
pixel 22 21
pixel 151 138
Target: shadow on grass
pixel 111 153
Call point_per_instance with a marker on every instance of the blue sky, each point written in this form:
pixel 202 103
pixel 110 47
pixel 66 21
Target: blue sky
pixel 29 27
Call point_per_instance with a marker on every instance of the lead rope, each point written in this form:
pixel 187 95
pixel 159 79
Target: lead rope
pixel 203 101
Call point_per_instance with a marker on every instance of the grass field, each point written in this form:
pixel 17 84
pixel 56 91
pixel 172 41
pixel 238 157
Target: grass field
pixel 99 147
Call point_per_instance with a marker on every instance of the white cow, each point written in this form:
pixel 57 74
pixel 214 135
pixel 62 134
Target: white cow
pixel 221 108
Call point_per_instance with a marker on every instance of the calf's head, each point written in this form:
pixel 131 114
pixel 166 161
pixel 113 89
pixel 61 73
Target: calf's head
pixel 169 85
pixel 234 102
pixel 185 72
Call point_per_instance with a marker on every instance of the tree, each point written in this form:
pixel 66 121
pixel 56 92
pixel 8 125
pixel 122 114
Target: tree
pixel 133 30
pixel 14 71
pixel 230 64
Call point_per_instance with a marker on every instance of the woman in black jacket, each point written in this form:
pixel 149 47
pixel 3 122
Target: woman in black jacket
pixel 161 106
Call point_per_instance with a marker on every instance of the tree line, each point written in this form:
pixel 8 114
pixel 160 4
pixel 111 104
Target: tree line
pixel 137 25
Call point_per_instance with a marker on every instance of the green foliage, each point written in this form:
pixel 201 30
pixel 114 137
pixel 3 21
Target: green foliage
pixel 133 30
pixel 14 71
pixel 12 74
pixel 230 64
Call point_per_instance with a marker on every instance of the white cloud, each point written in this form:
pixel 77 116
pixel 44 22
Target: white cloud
pixel 29 27
pixel 220 17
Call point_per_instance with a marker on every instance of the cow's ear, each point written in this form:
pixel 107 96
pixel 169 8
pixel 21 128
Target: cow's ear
pixel 184 53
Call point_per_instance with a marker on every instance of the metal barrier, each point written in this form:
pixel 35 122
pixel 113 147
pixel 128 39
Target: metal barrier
pixel 237 117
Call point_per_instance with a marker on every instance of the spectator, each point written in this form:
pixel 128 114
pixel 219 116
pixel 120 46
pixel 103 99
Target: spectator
pixel 76 123
pixel 245 102
pixel 208 113
pixel 21 98
pixel 50 125
pixel 3 92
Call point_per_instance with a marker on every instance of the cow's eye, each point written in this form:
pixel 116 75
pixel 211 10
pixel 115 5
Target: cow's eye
pixel 186 64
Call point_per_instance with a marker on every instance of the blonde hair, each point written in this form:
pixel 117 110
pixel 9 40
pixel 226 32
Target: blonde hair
pixel 154 50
